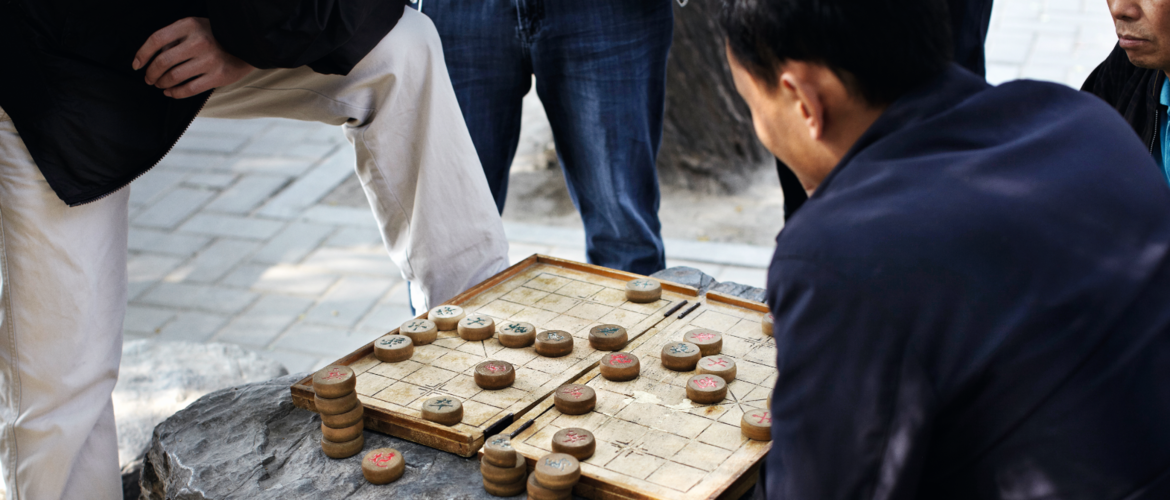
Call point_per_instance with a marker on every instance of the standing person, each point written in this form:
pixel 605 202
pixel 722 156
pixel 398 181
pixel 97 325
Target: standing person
pixel 600 70
pixel 95 93
pixel 972 303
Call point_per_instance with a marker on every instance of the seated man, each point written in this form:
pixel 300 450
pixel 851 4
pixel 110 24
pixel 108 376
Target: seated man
pixel 95 93
pixel 973 302
pixel 1133 78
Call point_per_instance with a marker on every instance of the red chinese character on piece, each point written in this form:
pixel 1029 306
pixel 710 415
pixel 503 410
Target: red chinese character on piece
pixel 334 374
pixel 573 391
pixel 380 460
pixel 573 437
pixel 763 418
pixel 717 362
pixel 620 359
pixel 704 336
pixel 706 383
pixel 495 368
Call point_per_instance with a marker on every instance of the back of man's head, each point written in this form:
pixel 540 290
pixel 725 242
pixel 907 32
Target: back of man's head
pixel 878 48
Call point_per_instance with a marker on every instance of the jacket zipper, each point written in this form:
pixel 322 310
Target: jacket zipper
pixel 155 164
pixel 1154 140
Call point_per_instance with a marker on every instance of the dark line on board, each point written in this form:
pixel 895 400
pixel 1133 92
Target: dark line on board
pixel 691 310
pixel 675 308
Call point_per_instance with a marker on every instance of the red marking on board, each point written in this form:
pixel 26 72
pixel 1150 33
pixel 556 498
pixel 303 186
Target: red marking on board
pixel 573 437
pixel 762 418
pixel 380 459
pixel 717 362
pixel 704 336
pixel 620 359
pixel 706 383
pixel 335 374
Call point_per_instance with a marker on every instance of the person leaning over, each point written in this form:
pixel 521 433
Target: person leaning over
pixel 972 303
pixel 95 93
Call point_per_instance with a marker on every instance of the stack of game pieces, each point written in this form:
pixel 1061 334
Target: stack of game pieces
pixel 504 471
pixel 554 478
pixel 767 324
pixel 341 412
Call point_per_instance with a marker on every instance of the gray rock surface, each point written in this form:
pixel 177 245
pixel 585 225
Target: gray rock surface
pixel 738 290
pixel 688 276
pixel 250 442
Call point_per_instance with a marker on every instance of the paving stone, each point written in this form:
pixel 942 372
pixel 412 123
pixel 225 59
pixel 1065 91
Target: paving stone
pixel 330 342
pixel 283 278
pixel 232 226
pixel 153 184
pixel 296 362
pixel 173 208
pixel 247 193
pixel 286 147
pixel 193 326
pixel 147 269
pixel 152 241
pixel 349 301
pixel 201 297
pixel 272 165
pixel 188 162
pixel 232 127
pixel 385 317
pixel 264 321
pixel 353 236
pixel 369 260
pixel 293 243
pixel 312 186
pixel 343 216
pixel 214 262
pixel 209 180
pixel 146 320
pixel 211 143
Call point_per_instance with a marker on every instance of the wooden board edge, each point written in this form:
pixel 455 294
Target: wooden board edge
pixel 744 483
pixel 738 302
pixel 612 273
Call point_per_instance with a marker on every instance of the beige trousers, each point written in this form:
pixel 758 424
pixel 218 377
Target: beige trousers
pixel 63 288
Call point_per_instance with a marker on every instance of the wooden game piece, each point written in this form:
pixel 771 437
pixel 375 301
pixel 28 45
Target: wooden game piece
pixel 537 491
pixel 344 420
pixel 557 471
pixel 446 317
pixel 608 337
pixel 504 475
pixel 477 327
pixel 498 451
pixel 505 490
pixel 575 399
pixel 769 401
pixel 554 343
pixel 643 290
pixel 344 434
pixel 383 465
pixel 444 410
pixel 706 389
pixel 336 406
pixel 494 374
pixel 719 365
pixel 393 348
pixel 756 424
pixel 421 331
pixel 680 356
pixel 576 442
pixel 517 335
pixel 620 366
pixel 344 449
pixel 710 342
pixel 334 381
pixel 767 324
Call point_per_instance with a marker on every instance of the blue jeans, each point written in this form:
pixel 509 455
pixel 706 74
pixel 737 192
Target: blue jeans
pixel 600 69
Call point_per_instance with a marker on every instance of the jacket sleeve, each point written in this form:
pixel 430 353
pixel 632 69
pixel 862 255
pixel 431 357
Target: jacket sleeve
pixel 294 33
pixel 851 405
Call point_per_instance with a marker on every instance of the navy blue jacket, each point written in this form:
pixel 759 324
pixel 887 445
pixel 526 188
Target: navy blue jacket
pixel 975 304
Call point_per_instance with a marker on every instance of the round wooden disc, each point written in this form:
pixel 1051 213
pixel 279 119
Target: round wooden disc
pixel 393 348
pixel 767 324
pixel 643 290
pixel 554 343
pixel 344 420
pixel 757 425
pixel 498 451
pixel 706 389
pixel 769 401
pixel 576 442
pixel 680 356
pixel 537 491
pixel 383 465
pixel 620 366
pixel 334 381
pixel 504 475
pixel 710 342
pixel 557 471
pixel 477 327
pixel 607 337
pixel 344 434
pixel 444 410
pixel 421 331
pixel 343 450
pixel 446 317
pixel 506 490
pixel 494 374
pixel 575 399
pixel 720 365
pixel 336 406
pixel 517 335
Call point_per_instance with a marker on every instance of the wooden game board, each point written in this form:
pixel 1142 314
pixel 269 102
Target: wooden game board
pixel 652 442
pixel 550 293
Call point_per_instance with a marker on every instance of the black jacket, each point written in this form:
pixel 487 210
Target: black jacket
pixel 973 306
pixel 90 122
pixel 1132 91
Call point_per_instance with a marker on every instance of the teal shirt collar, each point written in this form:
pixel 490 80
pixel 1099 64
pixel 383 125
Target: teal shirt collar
pixel 1163 154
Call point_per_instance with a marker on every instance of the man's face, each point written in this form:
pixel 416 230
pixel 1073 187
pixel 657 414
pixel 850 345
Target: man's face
pixel 776 125
pixel 1143 31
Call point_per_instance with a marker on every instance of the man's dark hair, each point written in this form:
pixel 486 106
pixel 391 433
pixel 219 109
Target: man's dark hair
pixel 878 48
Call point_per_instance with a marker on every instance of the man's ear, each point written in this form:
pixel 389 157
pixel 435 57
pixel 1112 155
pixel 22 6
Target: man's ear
pixel 805 99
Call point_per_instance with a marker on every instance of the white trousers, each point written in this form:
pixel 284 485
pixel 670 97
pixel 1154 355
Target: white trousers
pixel 63 289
